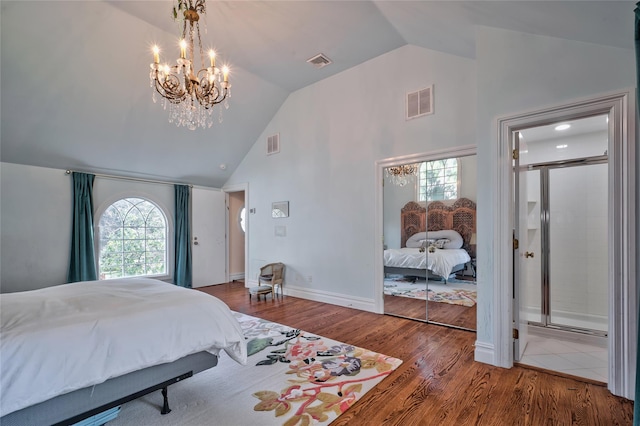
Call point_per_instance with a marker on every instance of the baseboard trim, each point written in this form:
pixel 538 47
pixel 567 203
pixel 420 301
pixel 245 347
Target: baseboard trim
pixel 360 303
pixel 238 276
pixel 485 353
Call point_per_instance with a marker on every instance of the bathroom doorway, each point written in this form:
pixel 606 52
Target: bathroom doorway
pixel 564 267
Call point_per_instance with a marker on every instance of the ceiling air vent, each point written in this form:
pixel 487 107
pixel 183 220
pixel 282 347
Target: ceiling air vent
pixel 319 60
pixel 420 103
pixel 273 144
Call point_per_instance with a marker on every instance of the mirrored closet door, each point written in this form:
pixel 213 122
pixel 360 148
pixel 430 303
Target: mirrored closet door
pixel 405 286
pixel 429 239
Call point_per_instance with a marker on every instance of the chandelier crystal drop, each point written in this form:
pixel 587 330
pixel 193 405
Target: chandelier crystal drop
pixel 189 95
pixel 401 175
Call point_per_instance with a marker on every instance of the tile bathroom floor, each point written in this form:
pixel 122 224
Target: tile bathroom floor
pixel 568 357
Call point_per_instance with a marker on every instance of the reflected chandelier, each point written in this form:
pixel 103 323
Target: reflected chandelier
pixel 401 175
pixel 190 95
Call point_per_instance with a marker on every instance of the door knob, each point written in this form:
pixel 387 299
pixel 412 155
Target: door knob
pixel 528 254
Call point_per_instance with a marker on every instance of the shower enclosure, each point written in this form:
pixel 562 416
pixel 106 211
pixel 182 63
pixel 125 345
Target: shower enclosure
pixel 567 284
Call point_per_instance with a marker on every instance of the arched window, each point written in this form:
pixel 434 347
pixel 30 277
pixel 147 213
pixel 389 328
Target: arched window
pixel 133 240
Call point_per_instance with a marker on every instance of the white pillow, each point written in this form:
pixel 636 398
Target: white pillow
pixel 416 240
pixel 455 239
pixel 441 243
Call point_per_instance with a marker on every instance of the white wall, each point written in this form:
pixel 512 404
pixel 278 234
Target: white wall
pixel 331 134
pixel 35 221
pixel 517 73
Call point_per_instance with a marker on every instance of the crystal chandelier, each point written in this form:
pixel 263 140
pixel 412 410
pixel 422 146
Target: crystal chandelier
pixel 401 175
pixel 190 95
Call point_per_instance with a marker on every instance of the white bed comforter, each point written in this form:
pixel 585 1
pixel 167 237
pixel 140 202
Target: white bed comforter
pixel 59 339
pixel 440 263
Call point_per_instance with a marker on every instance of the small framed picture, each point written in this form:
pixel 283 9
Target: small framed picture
pixel 280 209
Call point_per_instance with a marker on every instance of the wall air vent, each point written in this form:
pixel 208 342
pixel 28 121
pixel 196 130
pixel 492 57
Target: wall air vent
pixel 273 144
pixel 319 61
pixel 420 103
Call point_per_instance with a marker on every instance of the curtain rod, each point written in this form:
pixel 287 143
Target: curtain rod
pixel 129 178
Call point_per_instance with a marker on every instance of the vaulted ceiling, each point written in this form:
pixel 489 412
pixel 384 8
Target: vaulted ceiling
pixel 75 74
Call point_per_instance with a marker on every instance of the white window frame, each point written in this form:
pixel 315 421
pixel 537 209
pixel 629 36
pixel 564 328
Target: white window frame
pixel 169 234
pixel 420 179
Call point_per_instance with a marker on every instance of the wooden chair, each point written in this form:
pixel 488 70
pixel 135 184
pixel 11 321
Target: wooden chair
pixel 272 275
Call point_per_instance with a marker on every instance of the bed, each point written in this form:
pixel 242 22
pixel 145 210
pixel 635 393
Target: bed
pixel 420 227
pixel 75 350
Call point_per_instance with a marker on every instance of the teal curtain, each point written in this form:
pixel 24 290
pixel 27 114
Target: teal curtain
pixel 82 262
pixel 636 407
pixel 182 269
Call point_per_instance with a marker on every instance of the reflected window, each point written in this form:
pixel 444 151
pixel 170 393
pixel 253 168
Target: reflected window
pixel 438 180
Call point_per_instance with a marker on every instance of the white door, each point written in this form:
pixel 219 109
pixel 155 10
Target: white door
pixel 208 220
pixel 520 253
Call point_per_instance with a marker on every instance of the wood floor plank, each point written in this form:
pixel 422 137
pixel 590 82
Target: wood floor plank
pixel 438 383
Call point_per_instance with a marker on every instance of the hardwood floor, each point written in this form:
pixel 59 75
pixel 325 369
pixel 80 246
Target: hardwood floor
pixel 438 382
pixel 444 313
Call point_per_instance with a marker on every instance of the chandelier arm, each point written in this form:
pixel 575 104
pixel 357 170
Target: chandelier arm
pixel 170 88
pixel 208 92
pixel 200 6
pixel 210 97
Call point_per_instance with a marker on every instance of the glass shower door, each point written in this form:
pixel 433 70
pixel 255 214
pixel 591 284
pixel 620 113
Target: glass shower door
pixel 578 247
pixel 531 284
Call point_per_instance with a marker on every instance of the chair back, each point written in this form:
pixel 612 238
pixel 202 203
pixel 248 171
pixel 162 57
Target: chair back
pixel 276 272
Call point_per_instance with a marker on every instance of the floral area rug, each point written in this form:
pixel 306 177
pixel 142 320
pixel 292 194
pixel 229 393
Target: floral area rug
pixel 291 378
pixel 454 293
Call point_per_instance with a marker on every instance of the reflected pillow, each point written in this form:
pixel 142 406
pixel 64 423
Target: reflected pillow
pixel 455 239
pixel 416 240
pixel 441 243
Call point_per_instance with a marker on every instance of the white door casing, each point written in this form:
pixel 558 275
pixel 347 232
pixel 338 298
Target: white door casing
pixel 620 107
pixel 519 252
pixel 208 242
pixel 244 187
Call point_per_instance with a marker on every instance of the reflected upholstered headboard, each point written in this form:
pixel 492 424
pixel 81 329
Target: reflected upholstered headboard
pixel 459 216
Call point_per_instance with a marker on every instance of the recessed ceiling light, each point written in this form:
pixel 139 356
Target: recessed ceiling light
pixel 561 127
pixel 561 146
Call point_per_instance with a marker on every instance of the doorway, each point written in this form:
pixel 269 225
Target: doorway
pixel 237 228
pixel 562 169
pixel 506 326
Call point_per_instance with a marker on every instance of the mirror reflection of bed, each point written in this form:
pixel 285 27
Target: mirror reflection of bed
pixel 430 251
